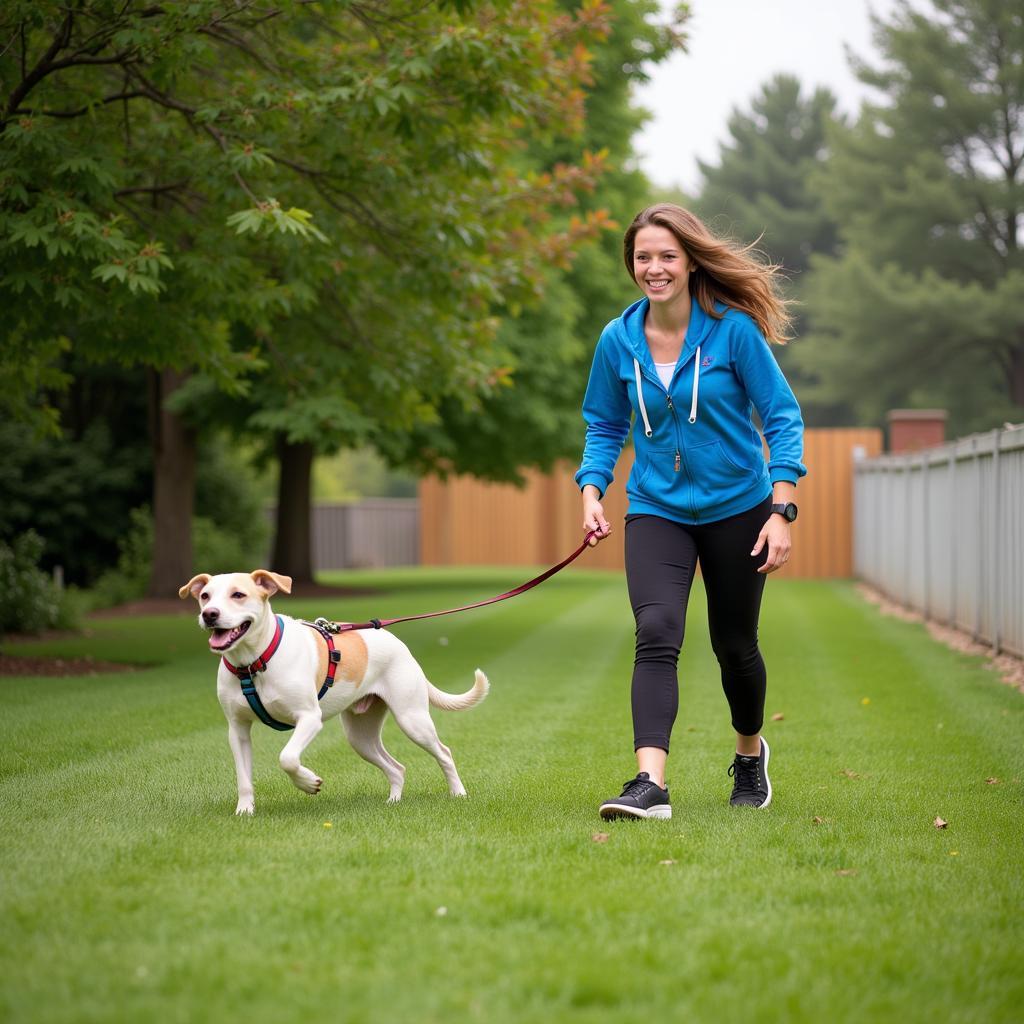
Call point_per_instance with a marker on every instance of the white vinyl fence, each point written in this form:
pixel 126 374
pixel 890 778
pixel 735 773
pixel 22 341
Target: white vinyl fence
pixel 370 533
pixel 942 531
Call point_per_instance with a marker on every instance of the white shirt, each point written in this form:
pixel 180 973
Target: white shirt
pixel 665 371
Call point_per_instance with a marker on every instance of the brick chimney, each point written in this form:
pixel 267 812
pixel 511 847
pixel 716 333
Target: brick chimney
pixel 910 430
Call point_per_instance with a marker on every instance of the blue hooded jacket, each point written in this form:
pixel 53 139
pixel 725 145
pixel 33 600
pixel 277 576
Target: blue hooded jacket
pixel 698 455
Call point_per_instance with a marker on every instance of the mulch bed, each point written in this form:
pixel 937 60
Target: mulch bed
pixel 19 665
pixel 1010 669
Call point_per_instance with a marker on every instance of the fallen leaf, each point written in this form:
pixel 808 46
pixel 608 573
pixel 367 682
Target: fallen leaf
pixel 940 823
pixel 778 716
pixel 993 781
pixel 954 853
pixel 600 837
pixel 846 871
pixel 327 824
pixel 817 821
pixel 666 862
pixel 866 700
pixel 850 774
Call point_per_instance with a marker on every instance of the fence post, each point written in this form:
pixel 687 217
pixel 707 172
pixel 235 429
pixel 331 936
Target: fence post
pixel 996 610
pixel 952 546
pixel 925 531
pixel 981 540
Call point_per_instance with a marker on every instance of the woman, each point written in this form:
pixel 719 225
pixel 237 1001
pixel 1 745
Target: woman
pixel 690 362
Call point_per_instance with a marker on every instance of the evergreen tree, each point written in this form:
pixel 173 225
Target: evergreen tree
pixel 760 190
pixel 923 304
pixel 759 187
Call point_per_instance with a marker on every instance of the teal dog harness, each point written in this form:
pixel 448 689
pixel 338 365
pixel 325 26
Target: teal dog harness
pixel 247 673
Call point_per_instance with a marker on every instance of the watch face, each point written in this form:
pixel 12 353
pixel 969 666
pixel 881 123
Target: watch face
pixel 790 511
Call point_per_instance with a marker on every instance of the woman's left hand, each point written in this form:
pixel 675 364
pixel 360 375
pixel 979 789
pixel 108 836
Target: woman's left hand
pixel 774 533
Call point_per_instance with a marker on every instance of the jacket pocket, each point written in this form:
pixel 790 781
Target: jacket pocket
pixel 653 474
pixel 717 476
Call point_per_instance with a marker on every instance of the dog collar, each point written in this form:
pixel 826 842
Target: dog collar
pixel 260 664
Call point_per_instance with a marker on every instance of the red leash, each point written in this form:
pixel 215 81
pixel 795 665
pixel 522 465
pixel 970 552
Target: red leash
pixel 344 627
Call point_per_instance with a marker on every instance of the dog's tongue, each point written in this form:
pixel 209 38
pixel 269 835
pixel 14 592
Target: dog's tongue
pixel 223 638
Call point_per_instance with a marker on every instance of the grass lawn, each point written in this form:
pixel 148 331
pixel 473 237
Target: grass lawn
pixel 129 891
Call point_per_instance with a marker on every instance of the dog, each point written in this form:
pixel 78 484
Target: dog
pixel 376 672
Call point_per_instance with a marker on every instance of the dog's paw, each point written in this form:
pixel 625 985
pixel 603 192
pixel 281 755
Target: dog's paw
pixel 395 798
pixel 305 780
pixel 245 807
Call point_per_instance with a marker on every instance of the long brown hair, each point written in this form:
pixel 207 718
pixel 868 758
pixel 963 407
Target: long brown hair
pixel 725 271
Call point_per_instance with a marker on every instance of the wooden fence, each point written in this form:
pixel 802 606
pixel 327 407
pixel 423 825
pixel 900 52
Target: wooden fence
pixel 466 522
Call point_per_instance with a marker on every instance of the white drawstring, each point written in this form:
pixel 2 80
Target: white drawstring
pixel 696 378
pixel 640 397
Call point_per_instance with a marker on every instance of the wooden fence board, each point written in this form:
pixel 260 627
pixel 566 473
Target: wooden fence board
pixel 469 522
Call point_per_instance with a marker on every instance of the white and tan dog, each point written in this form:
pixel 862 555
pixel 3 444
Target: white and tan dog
pixel 376 672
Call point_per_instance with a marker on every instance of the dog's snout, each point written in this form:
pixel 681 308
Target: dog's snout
pixel 210 615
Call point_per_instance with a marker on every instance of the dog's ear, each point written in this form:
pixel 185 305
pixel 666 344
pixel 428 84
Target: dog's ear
pixel 194 586
pixel 271 582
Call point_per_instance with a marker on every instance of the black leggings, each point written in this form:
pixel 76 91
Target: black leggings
pixel 661 557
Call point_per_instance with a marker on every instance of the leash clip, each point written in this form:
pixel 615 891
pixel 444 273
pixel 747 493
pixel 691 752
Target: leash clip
pixel 326 624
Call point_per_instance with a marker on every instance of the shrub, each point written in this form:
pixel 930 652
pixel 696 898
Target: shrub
pixel 30 601
pixel 215 549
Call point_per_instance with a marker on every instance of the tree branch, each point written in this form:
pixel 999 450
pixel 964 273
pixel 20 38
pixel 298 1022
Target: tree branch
pixel 224 36
pixel 81 110
pixel 10 42
pixel 40 71
pixel 172 187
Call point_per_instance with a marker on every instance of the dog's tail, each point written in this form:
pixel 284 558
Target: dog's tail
pixel 460 701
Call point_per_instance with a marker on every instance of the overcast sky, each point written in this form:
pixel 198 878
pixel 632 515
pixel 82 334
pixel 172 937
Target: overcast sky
pixel 735 46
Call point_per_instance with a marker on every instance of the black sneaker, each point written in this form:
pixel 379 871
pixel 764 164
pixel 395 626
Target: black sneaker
pixel 640 798
pixel 751 786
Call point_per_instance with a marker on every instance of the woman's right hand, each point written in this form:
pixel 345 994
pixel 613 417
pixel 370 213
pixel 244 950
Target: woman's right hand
pixel 593 515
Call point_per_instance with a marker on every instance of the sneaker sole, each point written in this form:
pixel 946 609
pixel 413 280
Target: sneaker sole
pixel 611 811
pixel 767 780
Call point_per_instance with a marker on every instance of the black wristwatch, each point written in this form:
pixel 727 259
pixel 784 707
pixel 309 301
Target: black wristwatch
pixel 787 511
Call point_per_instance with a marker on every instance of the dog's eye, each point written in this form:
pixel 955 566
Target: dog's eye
pixel 204 597
pixel 238 595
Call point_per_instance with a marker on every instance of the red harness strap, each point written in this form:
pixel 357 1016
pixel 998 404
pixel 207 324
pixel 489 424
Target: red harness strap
pixel 260 664
pixel 333 656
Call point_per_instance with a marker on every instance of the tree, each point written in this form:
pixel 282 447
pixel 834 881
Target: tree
pixel 528 415
pixel 132 135
pixel 760 185
pixel 923 303
pixel 760 190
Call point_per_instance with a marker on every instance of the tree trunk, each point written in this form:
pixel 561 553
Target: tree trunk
pixel 1017 375
pixel 174 488
pixel 293 542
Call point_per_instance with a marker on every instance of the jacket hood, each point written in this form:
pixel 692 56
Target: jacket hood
pixel 630 329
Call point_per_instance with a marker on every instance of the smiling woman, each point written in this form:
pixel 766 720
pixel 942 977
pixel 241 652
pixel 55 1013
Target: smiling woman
pixel 701 490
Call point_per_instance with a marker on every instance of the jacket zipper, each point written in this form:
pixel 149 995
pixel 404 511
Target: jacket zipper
pixel 679 454
pixel 675 422
pixel 675 427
